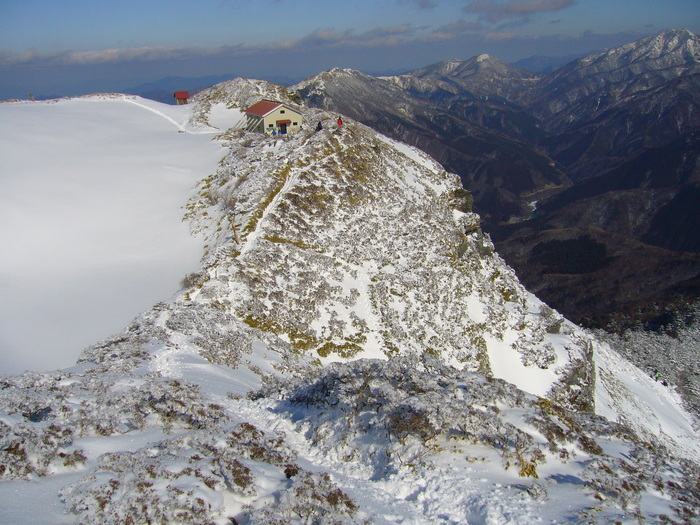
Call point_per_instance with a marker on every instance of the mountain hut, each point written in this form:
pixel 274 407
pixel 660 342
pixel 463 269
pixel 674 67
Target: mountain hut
pixel 182 97
pixel 268 116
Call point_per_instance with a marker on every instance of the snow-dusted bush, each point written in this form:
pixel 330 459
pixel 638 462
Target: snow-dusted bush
pixel 312 499
pixel 185 480
pixel 191 280
pixel 146 487
pixel 390 417
pixel 48 411
pixel 409 408
pixel 179 480
pixel 94 404
pixel 35 450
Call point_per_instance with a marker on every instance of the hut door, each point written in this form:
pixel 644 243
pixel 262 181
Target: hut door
pixel 282 125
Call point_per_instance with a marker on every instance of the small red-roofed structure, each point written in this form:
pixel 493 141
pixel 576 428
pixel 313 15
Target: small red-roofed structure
pixel 182 97
pixel 268 116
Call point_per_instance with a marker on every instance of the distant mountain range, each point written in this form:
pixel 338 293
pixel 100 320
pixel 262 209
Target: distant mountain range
pixel 586 177
pixel 162 90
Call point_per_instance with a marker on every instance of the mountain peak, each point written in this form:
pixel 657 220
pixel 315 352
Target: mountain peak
pixel 670 35
pixel 335 75
pixel 480 64
pixel 343 71
pixel 672 48
pixel 236 93
pixel 673 41
pixel 600 80
pixel 482 75
pixel 486 61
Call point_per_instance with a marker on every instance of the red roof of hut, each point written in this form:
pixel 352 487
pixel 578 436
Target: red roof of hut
pixel 262 108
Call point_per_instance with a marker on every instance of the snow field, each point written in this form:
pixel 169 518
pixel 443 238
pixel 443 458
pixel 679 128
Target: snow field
pixel 625 393
pixel 91 196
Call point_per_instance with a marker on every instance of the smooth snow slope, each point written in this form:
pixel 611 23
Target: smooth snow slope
pixel 91 229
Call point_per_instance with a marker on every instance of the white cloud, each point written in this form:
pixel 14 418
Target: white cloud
pixel 493 11
pixel 423 4
pixel 320 38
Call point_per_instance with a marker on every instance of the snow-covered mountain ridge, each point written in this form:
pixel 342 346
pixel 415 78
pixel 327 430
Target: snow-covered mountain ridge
pixel 352 350
pixel 585 177
pixel 630 74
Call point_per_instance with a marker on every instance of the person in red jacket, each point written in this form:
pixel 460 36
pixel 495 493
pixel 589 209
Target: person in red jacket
pixel 340 122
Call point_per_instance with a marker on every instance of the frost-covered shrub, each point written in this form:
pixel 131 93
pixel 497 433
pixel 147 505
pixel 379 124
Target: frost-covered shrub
pixel 409 408
pixel 675 355
pixel 184 480
pixel 541 355
pixel 402 416
pixel 55 408
pixel 312 499
pixel 94 404
pixel 34 450
pixel 552 321
pixel 191 280
pixel 146 487
pixel 576 388
pixel 123 352
pixel 624 480
pixel 214 333
pixel 406 420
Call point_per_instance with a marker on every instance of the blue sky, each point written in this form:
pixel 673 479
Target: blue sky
pixel 49 44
